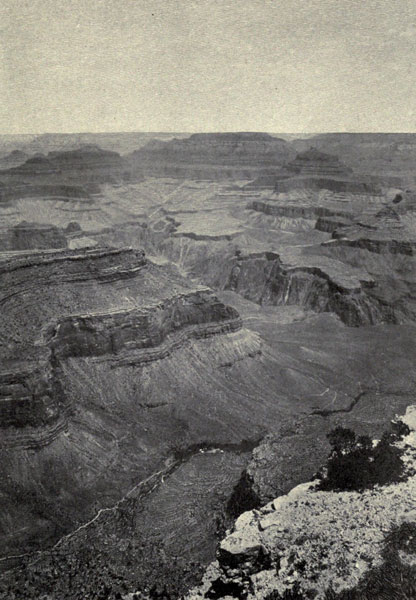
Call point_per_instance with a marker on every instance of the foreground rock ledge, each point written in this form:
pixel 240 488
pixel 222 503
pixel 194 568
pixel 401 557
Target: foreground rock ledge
pixel 314 539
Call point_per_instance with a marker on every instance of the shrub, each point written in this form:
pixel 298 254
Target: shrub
pixel 357 464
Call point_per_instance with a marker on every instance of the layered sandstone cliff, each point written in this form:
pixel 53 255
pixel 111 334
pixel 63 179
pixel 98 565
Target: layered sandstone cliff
pixel 321 287
pixel 320 164
pixel 213 156
pixel 81 315
pixel 88 164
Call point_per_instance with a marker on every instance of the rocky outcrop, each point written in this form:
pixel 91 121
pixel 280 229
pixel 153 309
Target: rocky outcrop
pixel 109 365
pixel 53 191
pixel 382 232
pixel 267 180
pixel 367 240
pixel 142 335
pixel 325 183
pixel 310 542
pixel 330 224
pixel 265 279
pixel 41 236
pixel 294 210
pixel 27 396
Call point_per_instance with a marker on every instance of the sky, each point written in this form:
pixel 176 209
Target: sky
pixel 207 65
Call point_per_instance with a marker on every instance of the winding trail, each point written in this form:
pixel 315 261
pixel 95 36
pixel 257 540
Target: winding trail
pixel 156 478
pixel 142 489
pixel 326 412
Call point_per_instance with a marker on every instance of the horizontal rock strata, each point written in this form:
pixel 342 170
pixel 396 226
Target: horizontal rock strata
pixel 105 303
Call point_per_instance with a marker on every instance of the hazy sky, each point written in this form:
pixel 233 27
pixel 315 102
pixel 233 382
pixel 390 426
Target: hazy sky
pixel 207 65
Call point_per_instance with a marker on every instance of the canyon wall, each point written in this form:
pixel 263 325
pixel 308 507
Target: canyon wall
pixel 135 334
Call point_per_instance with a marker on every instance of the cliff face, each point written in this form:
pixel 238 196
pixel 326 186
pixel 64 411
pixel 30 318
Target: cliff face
pixel 327 183
pixel 320 278
pixel 295 210
pixel 316 163
pixel 385 232
pixel 270 279
pixel 36 235
pixel 266 280
pixel 19 190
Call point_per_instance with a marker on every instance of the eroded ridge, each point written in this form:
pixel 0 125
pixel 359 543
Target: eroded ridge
pixel 106 304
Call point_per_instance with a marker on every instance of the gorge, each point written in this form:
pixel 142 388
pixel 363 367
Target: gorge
pixel 182 320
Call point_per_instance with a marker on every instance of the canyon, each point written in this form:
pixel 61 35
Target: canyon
pixel 181 318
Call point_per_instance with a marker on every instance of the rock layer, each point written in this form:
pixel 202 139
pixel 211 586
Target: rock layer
pixel 266 279
pixel 144 329
pixel 212 156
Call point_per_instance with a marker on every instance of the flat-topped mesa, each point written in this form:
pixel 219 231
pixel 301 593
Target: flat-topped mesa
pixel 107 304
pixel 213 155
pixel 88 156
pixel 26 236
pixel 89 163
pixel 315 170
pixel 42 236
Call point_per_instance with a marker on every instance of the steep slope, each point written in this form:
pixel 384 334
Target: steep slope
pixel 92 341
pixel 131 331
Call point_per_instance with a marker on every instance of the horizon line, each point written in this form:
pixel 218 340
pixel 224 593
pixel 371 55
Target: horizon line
pixel 158 131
